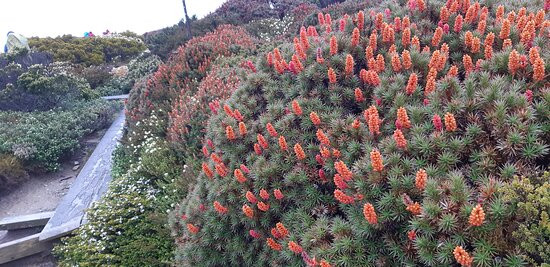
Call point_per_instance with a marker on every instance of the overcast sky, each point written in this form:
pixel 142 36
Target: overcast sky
pixel 57 17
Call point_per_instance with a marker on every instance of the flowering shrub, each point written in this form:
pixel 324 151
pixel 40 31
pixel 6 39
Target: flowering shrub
pixel 377 159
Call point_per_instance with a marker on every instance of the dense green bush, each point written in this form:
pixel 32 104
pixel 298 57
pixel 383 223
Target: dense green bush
pixel 41 139
pixel 89 51
pixel 375 168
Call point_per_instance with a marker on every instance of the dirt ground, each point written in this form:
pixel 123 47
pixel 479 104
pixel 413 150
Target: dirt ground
pixel 42 193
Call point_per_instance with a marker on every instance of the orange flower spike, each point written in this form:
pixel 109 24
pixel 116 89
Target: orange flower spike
pixel 406 22
pixel 380 63
pixel 264 194
pixel 414 208
pixel 436 39
pixel 457 27
pixel 355 37
pixel 450 122
pixel 273 244
pixel 374 124
pixel 489 39
pixel 360 20
pixel 373 78
pixel 271 130
pixel 392 50
pixel 420 180
pixel 476 43
pixel 434 60
pixel 421 5
pixel 262 141
pixel 376 160
pixel 300 155
pixel 296 108
pixel 248 211
pixel 373 40
pixel 406 37
pixel 415 43
pixel 250 197
pixel 281 229
pixel 477 216
pixel 192 229
pixel 378 20
pixel 372 64
pixel 216 158
pixel 412 83
pixel 270 59
pixel 396 63
pixel 315 118
pixel 533 54
pixel 513 62
pixel 453 71
pixel 350 63
pixel 277 54
pixel 342 197
pixel 229 133
pixel 239 176
pixel 430 86
pixel 369 53
pixel 468 64
pixel 400 139
pixel 332 76
pixel 294 247
pixel 242 128
pixel 538 69
pixel 481 26
pixel 343 170
pixel 336 153
pixel 370 213
pixel 278 194
pixel 488 52
pixel 257 149
pixel 221 170
pixel 504 30
pixel 323 139
pixel 220 208
pixel 324 263
pixel 262 206
pixel 444 14
pixel 228 111
pixel 506 43
pixel 298 48
pixel 468 39
pixel 333 46
pixel 356 124
pixel 500 13
pixel 282 143
pixel 207 171
pixel 403 117
pixel 279 67
pixel 407 62
pixel 359 95
pixel 325 152
pixel 303 38
pixel 462 257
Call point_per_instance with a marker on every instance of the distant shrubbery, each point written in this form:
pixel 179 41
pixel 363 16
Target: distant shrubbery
pixel 89 51
pixel 39 140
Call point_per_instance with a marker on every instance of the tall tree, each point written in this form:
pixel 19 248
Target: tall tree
pixel 187 20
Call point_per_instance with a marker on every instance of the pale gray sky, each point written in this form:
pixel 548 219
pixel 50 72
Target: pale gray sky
pixel 57 17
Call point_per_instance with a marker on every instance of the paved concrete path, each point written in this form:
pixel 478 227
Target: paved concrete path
pixel 115 97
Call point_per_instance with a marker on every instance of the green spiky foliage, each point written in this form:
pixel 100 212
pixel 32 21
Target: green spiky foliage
pixel 501 131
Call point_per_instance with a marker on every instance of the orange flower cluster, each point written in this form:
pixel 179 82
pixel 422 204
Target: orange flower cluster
pixel 430 85
pixel 216 158
pixel 339 182
pixel 242 128
pixel 436 39
pixel 303 38
pixel 533 54
pixel 468 64
pixel 414 208
pixel 403 118
pixel 239 176
pixel 453 71
pixel 343 170
pixel 444 14
pixel 369 53
pixel 462 257
pixel 257 149
pixel 262 141
pixel 477 216
pixel 300 155
pixel 342 197
pixel 488 52
pixel 350 63
pixel 250 197
pixel 333 46
pixel 278 194
pixel 355 37
pixel 373 120
pixel 370 77
pixel 282 143
pixel 380 63
pixel 504 30
pixel 336 153
pixel 264 194
pixel 415 42
pixel 296 108
pixel 476 44
pixel 388 34
pixel 359 95
pixel 219 208
pixel 481 26
pixel 229 133
pixel 262 206
pixel 376 160
pixel 370 214
pixel 528 33
pixel 420 180
pixel 331 76
pixel 400 139
pixel 192 229
pixel 248 211
pixel 315 118
pixel 355 124
pixel 299 49
pixel 221 169
pixel 406 37
pixel 407 62
pixel 396 63
pixel 228 111
pixel 506 43
pixel 538 69
pixel 207 171
pixel 323 139
pixel 325 153
pixel 458 23
pixel 237 115
pixel 294 247
pixel 450 122
pixel 273 244
pixel 271 130
pixel 297 66
pixel 324 263
pixel 412 83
